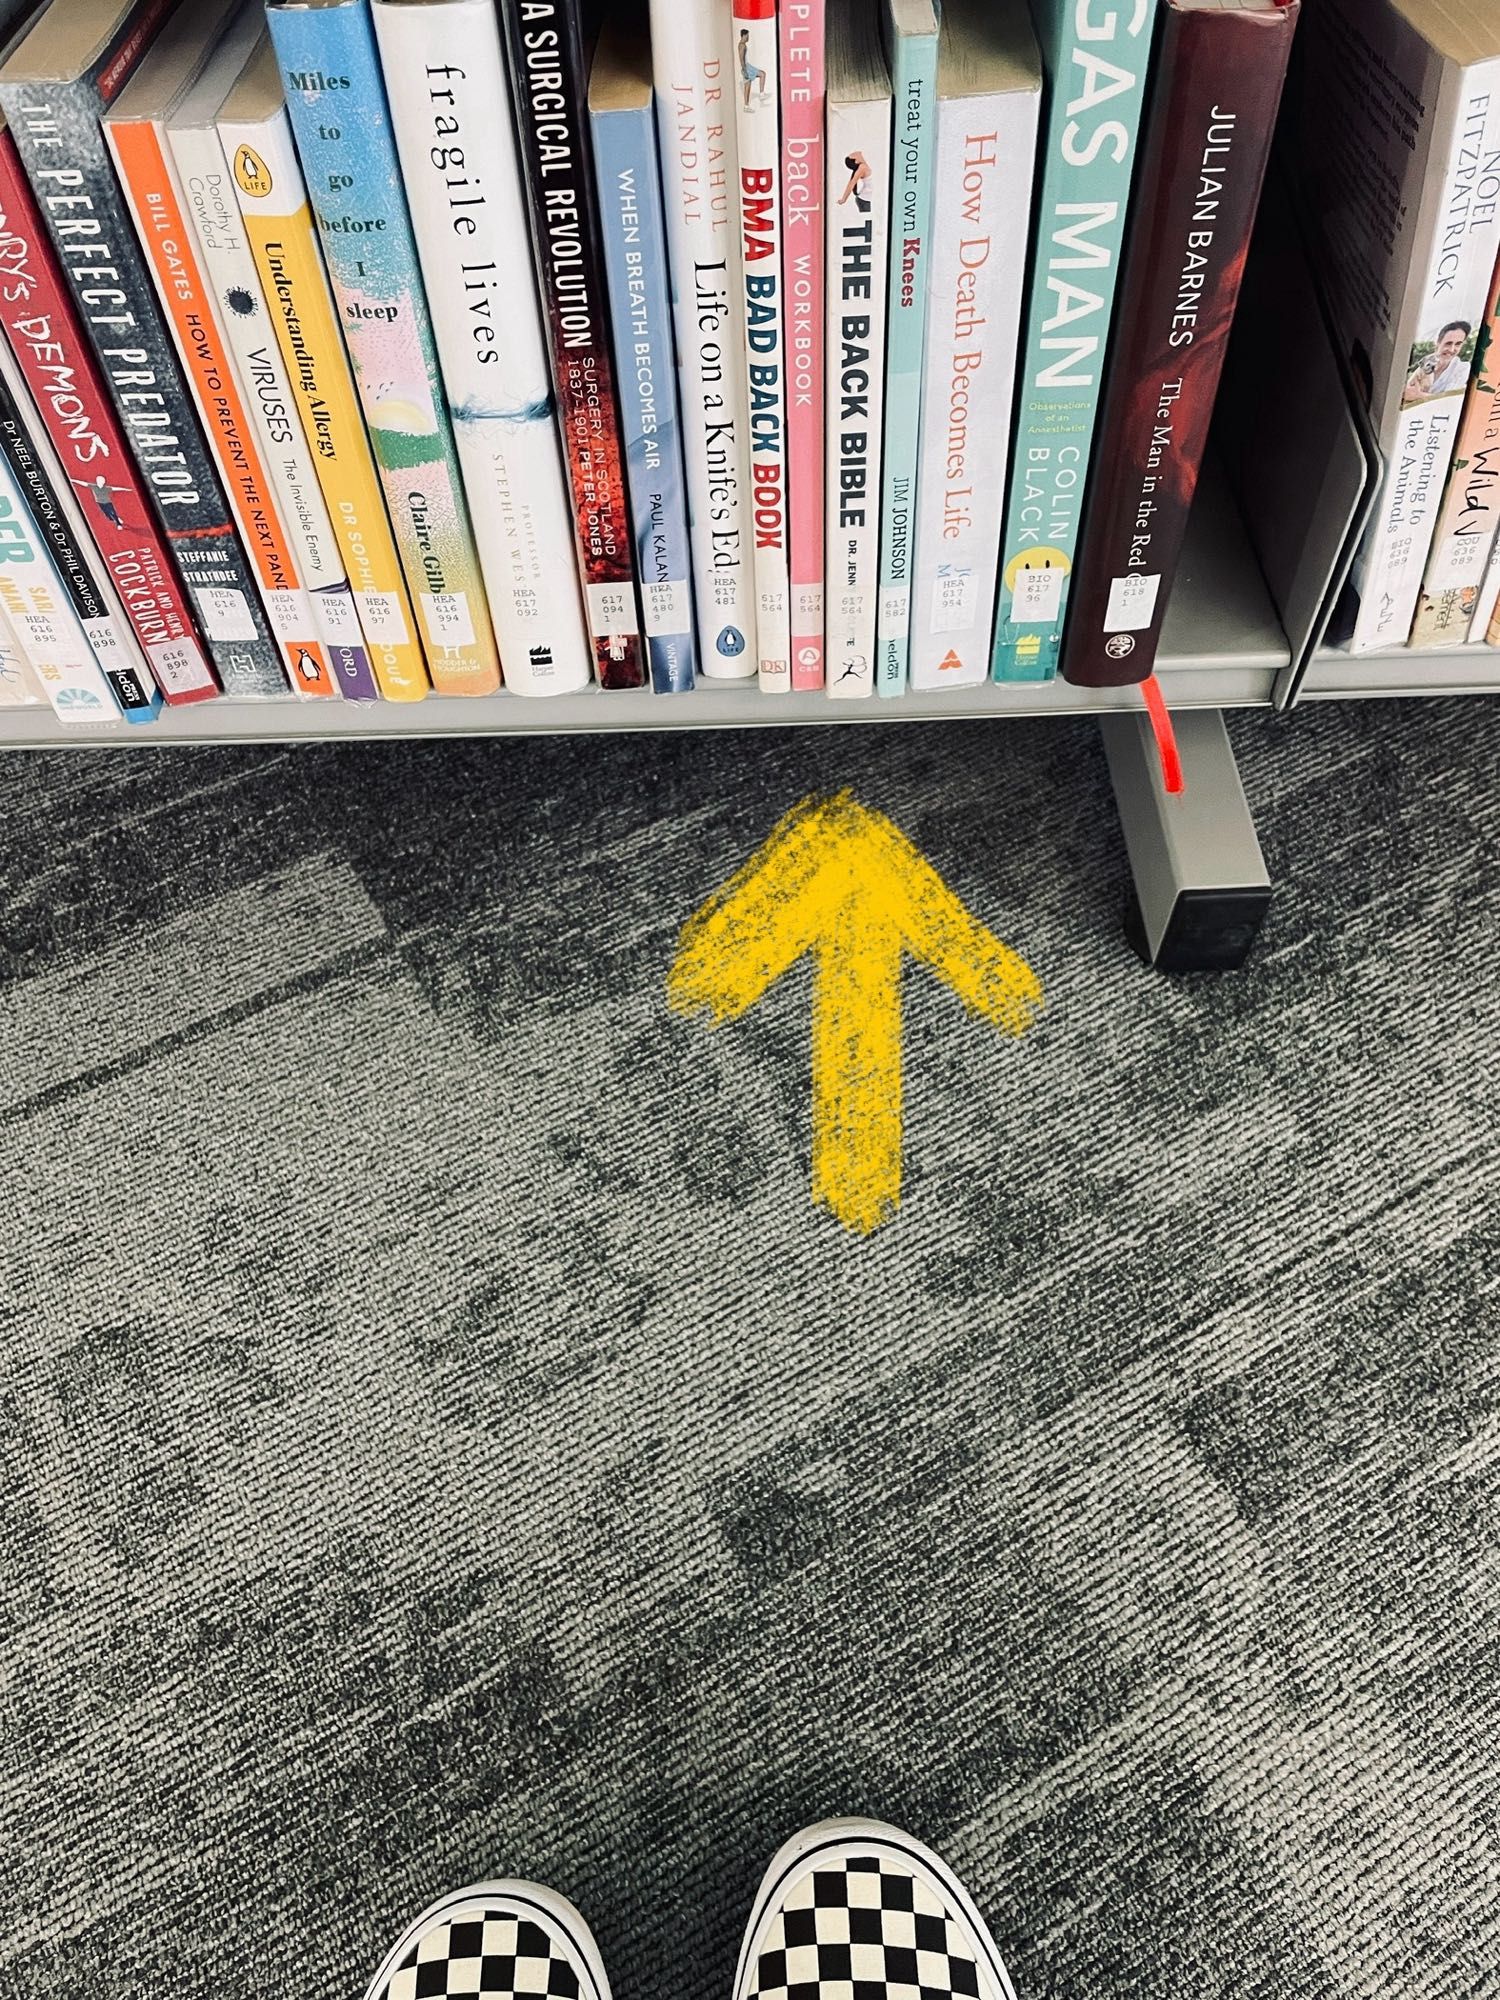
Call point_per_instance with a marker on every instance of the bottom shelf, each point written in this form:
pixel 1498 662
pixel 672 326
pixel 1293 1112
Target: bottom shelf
pixel 1223 648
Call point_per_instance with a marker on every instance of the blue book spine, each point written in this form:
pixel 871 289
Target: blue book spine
pixel 1095 81
pixel 912 47
pixel 635 256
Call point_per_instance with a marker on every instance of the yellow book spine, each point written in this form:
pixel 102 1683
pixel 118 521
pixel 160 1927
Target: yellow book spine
pixel 281 233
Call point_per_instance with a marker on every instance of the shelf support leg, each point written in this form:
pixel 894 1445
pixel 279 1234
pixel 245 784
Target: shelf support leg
pixel 1201 887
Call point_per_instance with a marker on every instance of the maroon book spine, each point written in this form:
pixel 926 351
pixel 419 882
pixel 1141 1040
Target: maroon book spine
pixel 1215 89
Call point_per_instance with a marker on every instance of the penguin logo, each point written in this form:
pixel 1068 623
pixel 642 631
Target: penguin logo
pixel 307 666
pixel 252 173
pixel 731 641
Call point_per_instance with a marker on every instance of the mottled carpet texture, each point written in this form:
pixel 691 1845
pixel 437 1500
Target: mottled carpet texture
pixel 438 1437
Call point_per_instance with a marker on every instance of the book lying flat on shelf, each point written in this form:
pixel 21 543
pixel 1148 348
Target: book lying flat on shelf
pixel 1215 88
pixel 337 105
pixel 1095 66
pixel 256 136
pixel 635 256
pixel 1397 115
pixel 691 58
pixel 450 104
pixel 54 87
pixel 857 205
pixel 988 96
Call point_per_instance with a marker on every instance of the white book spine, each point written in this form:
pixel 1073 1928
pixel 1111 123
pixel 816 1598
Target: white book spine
pixel 1423 429
pixel 1489 594
pixel 244 322
pixel 755 77
pixel 986 149
pixel 451 111
pixel 47 630
pixel 697 144
pixel 18 684
pixel 857 211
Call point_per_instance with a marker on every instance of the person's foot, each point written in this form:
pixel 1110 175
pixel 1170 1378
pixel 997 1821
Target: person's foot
pixel 853 1910
pixel 506 1938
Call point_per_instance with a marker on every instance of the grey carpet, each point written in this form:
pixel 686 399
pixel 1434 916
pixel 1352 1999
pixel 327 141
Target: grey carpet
pixel 438 1437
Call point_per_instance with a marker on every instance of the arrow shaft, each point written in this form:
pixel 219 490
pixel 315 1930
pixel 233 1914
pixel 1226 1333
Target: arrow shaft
pixel 856 1072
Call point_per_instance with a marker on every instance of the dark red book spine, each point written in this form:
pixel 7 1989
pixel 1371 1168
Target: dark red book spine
pixel 1216 86
pixel 549 74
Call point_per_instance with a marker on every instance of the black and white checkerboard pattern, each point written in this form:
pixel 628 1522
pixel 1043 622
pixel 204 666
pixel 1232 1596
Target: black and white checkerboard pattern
pixel 485 1951
pixel 861 1929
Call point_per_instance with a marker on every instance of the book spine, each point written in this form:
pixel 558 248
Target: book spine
pixel 239 307
pixel 986 148
pixel 18 684
pixel 336 101
pixel 451 110
pixel 857 205
pixel 1214 99
pixel 59 369
pixel 549 78
pixel 1088 148
pixel 166 236
pixel 635 256
pixel 34 602
pixel 756 73
pixel 802 177
pixel 283 240
pixel 1458 566
pixel 1387 574
pixel 56 130
pixel 58 523
pixel 1489 599
pixel 692 60
pixel 913 60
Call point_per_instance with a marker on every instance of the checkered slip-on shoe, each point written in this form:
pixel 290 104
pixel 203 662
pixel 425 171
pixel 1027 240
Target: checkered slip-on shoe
pixel 852 1910
pixel 513 1939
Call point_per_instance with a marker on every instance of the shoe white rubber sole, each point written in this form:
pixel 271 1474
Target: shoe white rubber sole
pixel 527 1899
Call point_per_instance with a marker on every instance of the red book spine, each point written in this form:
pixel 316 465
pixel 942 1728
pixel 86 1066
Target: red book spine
pixel 54 356
pixel 1216 86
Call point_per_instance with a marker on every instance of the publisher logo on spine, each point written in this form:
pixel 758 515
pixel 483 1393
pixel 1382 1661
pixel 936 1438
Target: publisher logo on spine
pixel 252 173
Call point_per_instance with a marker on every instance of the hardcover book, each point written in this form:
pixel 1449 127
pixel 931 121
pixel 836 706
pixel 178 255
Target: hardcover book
pixel 635 254
pixel 911 31
pixel 58 522
pixel 692 59
pixel 988 95
pixel 803 67
pixel 1095 69
pixel 97 465
pixel 544 46
pixel 764 330
pixel 450 104
pixel 1215 90
pixel 256 136
pixel 1396 123
pixel 54 87
pixel 337 105
pixel 1458 567
pixel 857 206
pixel 244 322
pixel 135 128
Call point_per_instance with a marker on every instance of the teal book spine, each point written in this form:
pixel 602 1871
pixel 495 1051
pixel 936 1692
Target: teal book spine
pixel 1095 81
pixel 912 49
pixel 342 124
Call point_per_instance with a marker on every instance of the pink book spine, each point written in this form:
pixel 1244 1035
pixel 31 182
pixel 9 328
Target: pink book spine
pixel 802 258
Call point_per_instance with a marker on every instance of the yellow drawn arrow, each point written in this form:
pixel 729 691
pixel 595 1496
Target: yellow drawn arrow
pixel 842 883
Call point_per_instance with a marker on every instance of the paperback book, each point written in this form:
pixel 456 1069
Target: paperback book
pixel 97 465
pixel 55 86
pixel 1215 88
pixel 337 105
pixel 1095 69
pixel 450 105
pixel 635 254
pixel 256 136
pixel 1464 543
pixel 692 61
pixel 988 95
pixel 18 684
pixel 911 31
pixel 803 82
pixel 549 77
pixel 857 207
pixel 764 332
pixel 239 301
